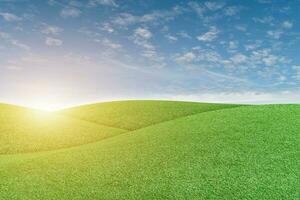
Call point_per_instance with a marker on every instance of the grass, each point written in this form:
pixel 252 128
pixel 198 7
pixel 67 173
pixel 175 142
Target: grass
pixel 23 130
pixel 245 152
pixel 132 115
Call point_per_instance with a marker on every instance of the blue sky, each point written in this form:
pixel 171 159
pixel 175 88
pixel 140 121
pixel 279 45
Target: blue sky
pixel 60 53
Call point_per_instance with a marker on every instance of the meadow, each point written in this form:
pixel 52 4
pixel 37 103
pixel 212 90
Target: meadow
pixel 151 150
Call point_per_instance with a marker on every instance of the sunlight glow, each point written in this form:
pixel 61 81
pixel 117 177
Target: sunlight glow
pixel 41 97
pixel 44 106
pixel 44 103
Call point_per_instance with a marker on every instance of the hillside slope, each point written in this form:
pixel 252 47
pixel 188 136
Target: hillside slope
pixel 23 130
pixel 240 153
pixel 132 115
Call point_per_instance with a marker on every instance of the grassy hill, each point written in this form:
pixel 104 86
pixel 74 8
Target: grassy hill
pixel 245 152
pixel 132 115
pixel 24 130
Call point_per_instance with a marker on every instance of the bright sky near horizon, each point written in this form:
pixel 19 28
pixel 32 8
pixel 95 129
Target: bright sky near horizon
pixel 60 53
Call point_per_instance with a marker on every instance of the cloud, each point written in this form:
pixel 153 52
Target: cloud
pixel 264 20
pixel 107 27
pixel 9 17
pixel 126 19
pixel 264 1
pixel 4 35
pixel 53 42
pixel 186 58
pixel 55 30
pixel 238 58
pixel 213 6
pixel 94 3
pixel 296 69
pixel 233 45
pixel 142 38
pixel 70 12
pixel 184 34
pixel 261 62
pixel 20 44
pixel 143 32
pixel 108 43
pixel 275 34
pixel 242 97
pixel 209 36
pixel 231 10
pixel 287 24
pixel 171 38
pixel 7 37
pixel 208 11
pixel 205 58
pixel 264 56
pixel 240 27
pixel 251 46
pixel 199 9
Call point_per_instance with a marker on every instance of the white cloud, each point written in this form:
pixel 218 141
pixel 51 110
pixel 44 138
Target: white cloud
pixel 265 57
pixel 214 5
pixel 77 58
pixel 204 57
pixel 252 46
pixel 264 1
pixel 13 67
pixel 55 30
pixel 296 68
pixel 94 3
pixel 20 44
pixel 264 20
pixel 209 36
pixel 199 9
pixel 53 42
pixel 233 45
pixel 186 58
pixel 239 58
pixel 241 27
pixel 247 97
pixel 107 27
pixel 143 32
pixel 275 34
pixel 142 38
pixel 125 19
pixel 7 37
pixel 109 43
pixel 287 24
pixel 70 12
pixel 171 38
pixel 9 17
pixel 270 60
pixel 153 56
pixel 184 34
pixel 231 10
pixel 4 35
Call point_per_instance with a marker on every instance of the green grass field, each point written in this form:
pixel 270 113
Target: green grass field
pixel 151 150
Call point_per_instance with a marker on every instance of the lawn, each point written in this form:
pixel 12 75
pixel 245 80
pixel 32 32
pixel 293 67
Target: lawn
pixel 162 150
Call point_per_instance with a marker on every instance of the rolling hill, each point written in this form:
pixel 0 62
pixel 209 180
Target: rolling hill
pixel 186 152
pixel 23 130
pixel 132 115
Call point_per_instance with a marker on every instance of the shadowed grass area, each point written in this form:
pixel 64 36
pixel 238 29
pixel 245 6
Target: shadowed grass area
pixel 240 153
pixel 133 115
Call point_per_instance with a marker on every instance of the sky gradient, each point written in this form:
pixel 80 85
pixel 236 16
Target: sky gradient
pixel 62 53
